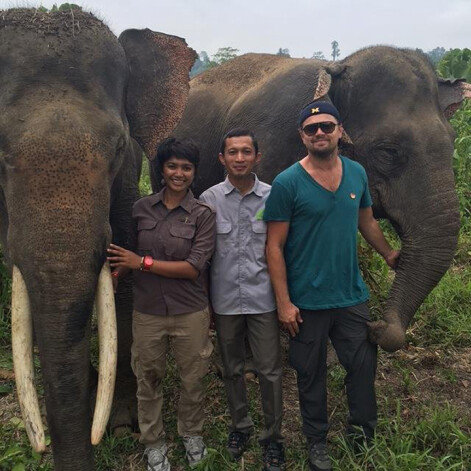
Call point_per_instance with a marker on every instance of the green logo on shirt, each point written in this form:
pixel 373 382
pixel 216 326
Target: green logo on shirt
pixel 259 215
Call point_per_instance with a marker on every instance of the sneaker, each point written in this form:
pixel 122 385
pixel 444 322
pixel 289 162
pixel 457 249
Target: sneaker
pixel 318 458
pixel 195 449
pixel 236 444
pixel 157 458
pixel 273 457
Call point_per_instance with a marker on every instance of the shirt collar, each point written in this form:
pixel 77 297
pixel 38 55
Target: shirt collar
pixel 187 203
pixel 229 187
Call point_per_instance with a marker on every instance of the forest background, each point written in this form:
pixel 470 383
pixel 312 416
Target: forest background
pixel 423 390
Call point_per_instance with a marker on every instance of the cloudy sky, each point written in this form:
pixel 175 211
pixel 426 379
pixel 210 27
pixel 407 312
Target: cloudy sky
pixel 302 26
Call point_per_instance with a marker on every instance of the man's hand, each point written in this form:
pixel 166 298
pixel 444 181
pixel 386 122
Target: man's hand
pixel 123 258
pixel 392 258
pixel 290 317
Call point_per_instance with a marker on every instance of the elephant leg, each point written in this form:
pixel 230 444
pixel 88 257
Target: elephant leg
pixel 124 414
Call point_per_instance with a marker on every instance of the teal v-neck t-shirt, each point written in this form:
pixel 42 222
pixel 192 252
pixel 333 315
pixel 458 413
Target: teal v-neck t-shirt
pixel 321 247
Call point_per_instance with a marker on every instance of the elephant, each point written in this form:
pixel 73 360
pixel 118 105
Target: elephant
pixel 77 108
pixel 392 108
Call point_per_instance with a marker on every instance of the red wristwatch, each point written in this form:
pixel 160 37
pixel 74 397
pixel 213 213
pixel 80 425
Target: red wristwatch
pixel 146 263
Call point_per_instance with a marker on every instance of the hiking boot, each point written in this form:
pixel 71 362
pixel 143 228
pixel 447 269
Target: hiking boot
pixel 236 444
pixel 195 449
pixel 273 457
pixel 318 458
pixel 157 458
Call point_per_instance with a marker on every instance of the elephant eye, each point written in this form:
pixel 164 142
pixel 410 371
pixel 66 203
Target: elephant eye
pixel 120 145
pixel 388 159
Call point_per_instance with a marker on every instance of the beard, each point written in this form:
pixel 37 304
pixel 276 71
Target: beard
pixel 325 153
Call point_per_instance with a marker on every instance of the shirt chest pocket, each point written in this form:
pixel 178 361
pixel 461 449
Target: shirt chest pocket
pixel 223 239
pixel 179 244
pixel 259 237
pixel 146 234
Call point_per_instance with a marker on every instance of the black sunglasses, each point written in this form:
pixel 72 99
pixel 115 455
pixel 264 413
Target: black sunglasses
pixel 327 127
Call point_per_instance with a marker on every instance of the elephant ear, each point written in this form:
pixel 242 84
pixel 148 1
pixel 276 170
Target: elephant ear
pixel 451 93
pixel 158 86
pixel 324 84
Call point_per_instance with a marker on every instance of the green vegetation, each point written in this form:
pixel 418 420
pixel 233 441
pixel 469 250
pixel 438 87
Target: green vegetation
pixel 5 296
pixel 456 64
pixel 203 62
pixel 145 187
pixel 335 50
pixel 62 7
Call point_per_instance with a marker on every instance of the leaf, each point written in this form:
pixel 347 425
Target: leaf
pixel 6 388
pixel 12 451
pixel 17 422
pixel 19 467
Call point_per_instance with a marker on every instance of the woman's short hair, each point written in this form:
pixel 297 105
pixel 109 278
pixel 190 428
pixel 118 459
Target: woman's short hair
pixel 179 148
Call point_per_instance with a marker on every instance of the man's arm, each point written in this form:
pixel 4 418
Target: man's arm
pixel 370 230
pixel 288 313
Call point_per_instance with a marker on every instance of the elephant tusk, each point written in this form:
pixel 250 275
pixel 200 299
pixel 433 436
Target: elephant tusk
pixel 22 348
pixel 107 335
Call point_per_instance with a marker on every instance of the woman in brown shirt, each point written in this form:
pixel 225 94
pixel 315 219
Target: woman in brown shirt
pixel 174 237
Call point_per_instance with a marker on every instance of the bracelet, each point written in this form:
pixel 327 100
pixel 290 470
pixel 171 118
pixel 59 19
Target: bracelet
pixel 146 263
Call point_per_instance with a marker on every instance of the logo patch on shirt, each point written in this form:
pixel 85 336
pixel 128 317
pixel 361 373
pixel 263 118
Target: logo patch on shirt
pixel 259 215
pixel 353 196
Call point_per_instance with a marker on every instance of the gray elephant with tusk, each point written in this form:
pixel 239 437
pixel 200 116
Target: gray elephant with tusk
pixel 73 98
pixel 393 109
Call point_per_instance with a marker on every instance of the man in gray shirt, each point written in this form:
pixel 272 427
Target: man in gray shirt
pixel 242 296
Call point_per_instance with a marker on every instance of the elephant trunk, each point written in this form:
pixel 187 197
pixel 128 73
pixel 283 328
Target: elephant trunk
pixel 428 247
pixel 61 299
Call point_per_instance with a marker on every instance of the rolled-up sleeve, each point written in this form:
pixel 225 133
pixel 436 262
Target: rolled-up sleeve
pixel 204 241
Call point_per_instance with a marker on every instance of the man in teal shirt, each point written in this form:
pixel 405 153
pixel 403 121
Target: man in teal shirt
pixel 313 213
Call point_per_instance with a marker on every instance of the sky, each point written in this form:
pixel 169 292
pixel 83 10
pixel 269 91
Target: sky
pixel 302 26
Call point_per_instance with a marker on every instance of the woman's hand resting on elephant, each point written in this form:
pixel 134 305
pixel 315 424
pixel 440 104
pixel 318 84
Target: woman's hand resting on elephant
pixel 122 258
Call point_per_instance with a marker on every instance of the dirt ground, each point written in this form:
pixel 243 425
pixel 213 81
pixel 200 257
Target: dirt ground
pixel 415 376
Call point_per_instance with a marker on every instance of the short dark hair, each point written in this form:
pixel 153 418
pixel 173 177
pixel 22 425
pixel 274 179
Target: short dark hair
pixel 179 148
pixel 238 132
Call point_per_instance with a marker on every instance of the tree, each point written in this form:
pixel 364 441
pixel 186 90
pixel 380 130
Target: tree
pixel 201 64
pixel 318 55
pixel 456 64
pixel 224 54
pixel 335 50
pixel 435 55
pixel 283 52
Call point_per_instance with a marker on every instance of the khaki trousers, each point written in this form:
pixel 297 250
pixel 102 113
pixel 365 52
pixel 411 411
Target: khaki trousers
pixel 263 334
pixel 192 348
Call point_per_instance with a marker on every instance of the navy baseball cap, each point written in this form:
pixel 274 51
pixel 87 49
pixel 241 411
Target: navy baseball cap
pixel 318 107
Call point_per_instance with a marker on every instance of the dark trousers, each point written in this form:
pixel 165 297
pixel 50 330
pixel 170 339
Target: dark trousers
pixel 347 330
pixel 262 331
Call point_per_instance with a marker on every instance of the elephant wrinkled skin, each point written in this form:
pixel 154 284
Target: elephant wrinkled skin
pixel 72 98
pixel 393 113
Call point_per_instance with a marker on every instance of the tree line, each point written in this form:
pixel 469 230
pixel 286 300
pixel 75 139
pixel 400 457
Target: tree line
pixel 451 63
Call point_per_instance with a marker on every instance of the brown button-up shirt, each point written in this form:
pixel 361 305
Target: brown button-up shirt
pixel 185 233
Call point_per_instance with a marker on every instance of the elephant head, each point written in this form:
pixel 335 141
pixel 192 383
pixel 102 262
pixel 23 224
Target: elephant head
pixel 72 97
pixel 393 113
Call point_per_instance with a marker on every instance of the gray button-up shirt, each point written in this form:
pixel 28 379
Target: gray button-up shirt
pixel 239 276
